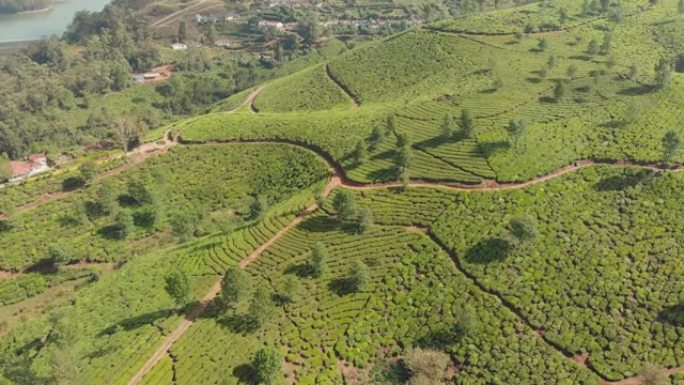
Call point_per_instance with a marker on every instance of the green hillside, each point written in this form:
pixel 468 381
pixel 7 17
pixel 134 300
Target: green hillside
pixel 492 198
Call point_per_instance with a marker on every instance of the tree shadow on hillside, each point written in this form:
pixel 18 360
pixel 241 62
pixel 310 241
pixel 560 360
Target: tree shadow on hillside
pixel 383 174
pixel 547 100
pixel 489 148
pixel 440 337
pixel 301 270
pixel 435 142
pixel 488 251
pixel 246 374
pixel 387 154
pixel 45 266
pixel 580 57
pixel 673 315
pixel 637 90
pixel 341 286
pixel 320 224
pixel 238 323
pixel 623 181
pixel 5 225
pixel 137 321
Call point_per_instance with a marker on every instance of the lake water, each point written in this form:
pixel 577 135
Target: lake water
pixel 35 26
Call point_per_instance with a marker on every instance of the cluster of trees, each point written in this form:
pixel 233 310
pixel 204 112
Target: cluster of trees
pixel 349 212
pixel 14 6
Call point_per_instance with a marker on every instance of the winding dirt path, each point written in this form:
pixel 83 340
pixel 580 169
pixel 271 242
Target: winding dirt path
pixel 190 318
pixel 485 185
pixel 339 179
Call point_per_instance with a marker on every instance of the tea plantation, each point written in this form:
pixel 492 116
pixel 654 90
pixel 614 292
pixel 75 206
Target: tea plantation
pixel 493 198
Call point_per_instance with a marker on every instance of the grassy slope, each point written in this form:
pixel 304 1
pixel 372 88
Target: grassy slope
pixel 422 76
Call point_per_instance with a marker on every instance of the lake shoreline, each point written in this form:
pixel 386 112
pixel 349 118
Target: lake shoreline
pixel 53 20
pixel 33 11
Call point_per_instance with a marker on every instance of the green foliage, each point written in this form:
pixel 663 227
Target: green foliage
pixel 360 153
pixel 663 73
pixel 359 276
pixel 236 287
pixel 88 170
pixel 365 219
pixel 261 307
pixel 319 260
pixel 671 145
pixel 258 207
pixel 189 200
pixel 267 365
pixel 291 289
pixel 307 90
pixel 344 204
pixel 123 225
pixel 569 255
pixel 447 128
pixel 524 229
pixel 377 137
pixel 178 287
pixel 466 124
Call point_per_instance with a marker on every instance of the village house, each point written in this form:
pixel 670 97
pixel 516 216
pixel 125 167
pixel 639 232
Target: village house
pixel 34 164
pixel 271 23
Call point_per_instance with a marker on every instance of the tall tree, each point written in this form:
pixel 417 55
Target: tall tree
pixel 5 168
pixel 359 276
pixel 128 130
pixel 447 128
pixel 123 225
pixel 365 220
pixel 267 365
pixel 672 143
pixel 559 92
pixel 290 289
pixel 344 204
pixel 87 170
pixel 663 73
pixel 235 287
pixel 319 260
pixel 360 153
pixel 516 128
pixel 376 138
pixel 178 287
pixel 391 125
pixel 466 123
pixel 182 31
pixel 523 228
pixel 403 158
pixel 261 307
pixel 258 207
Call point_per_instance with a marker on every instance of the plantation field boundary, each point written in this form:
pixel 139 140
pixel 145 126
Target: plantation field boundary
pixel 339 179
pixel 353 99
pixel 485 185
pixel 152 149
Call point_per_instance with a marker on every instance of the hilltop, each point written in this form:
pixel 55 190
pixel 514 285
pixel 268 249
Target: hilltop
pixel 494 198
